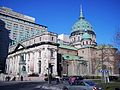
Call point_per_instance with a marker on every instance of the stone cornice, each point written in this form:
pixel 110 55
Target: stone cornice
pixel 35 45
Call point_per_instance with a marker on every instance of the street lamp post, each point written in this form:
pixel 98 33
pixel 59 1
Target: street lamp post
pixel 119 68
pixel 49 73
pixel 67 68
pixel 119 72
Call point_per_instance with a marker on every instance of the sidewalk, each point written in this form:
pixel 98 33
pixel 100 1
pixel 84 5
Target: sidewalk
pixel 3 78
pixel 8 82
pixel 16 82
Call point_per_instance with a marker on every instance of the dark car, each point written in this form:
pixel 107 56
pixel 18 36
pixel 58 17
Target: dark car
pixel 78 77
pixel 65 78
pixel 73 79
pixel 91 83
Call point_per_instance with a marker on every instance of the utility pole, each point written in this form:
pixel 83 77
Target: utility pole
pixel 119 72
pixel 67 68
pixel 49 73
pixel 48 76
pixel 119 68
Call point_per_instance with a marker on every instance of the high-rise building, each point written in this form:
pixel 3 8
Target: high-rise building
pixel 4 43
pixel 21 26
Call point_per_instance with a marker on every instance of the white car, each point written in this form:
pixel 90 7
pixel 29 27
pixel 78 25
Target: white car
pixel 81 85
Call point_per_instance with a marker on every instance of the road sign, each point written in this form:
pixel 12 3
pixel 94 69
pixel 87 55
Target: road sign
pixel 105 71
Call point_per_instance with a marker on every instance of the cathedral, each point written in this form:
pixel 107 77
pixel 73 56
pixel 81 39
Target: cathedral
pixel 74 54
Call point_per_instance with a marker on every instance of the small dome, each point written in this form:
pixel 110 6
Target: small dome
pixel 86 36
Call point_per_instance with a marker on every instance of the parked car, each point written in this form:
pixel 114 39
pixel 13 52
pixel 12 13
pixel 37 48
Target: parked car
pixel 77 77
pixel 95 85
pixel 65 77
pixel 73 83
pixel 81 85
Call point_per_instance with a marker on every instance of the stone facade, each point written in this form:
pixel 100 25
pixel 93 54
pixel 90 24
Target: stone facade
pixel 33 57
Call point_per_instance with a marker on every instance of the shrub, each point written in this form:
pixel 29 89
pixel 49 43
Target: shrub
pixel 91 77
pixel 33 75
pixel 113 78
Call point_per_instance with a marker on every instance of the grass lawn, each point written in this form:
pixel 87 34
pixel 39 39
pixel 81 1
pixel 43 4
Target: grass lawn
pixel 108 86
pixel 111 86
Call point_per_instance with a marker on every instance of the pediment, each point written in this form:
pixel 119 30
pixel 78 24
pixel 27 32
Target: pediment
pixel 19 47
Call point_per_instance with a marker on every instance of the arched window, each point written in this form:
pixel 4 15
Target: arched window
pixel 23 68
pixel 74 39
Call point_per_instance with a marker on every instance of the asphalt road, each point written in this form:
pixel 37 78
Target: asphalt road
pixel 21 85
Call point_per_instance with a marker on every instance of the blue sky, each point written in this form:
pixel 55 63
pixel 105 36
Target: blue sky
pixel 60 15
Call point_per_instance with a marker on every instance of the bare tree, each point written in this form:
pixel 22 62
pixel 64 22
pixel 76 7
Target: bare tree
pixel 104 59
pixel 117 63
pixel 117 55
pixel 117 38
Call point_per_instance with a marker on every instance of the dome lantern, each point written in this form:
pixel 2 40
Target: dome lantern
pixel 81 13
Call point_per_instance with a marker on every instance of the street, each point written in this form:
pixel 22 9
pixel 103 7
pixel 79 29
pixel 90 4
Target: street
pixel 20 85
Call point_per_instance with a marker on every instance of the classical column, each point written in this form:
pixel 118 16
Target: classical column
pixel 17 64
pixel 32 62
pixel 55 63
pixel 8 65
pixel 44 61
pixel 35 61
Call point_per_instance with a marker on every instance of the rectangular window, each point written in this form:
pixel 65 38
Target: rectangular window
pixel 40 38
pixel 52 53
pixel 39 54
pixel 22 57
pixel 52 38
pixel 83 43
pixel 86 42
pixel 15 26
pixel 28 68
pixel 34 41
pixel 28 56
pixel 82 51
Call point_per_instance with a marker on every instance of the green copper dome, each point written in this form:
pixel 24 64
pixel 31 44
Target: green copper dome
pixel 82 24
pixel 86 36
